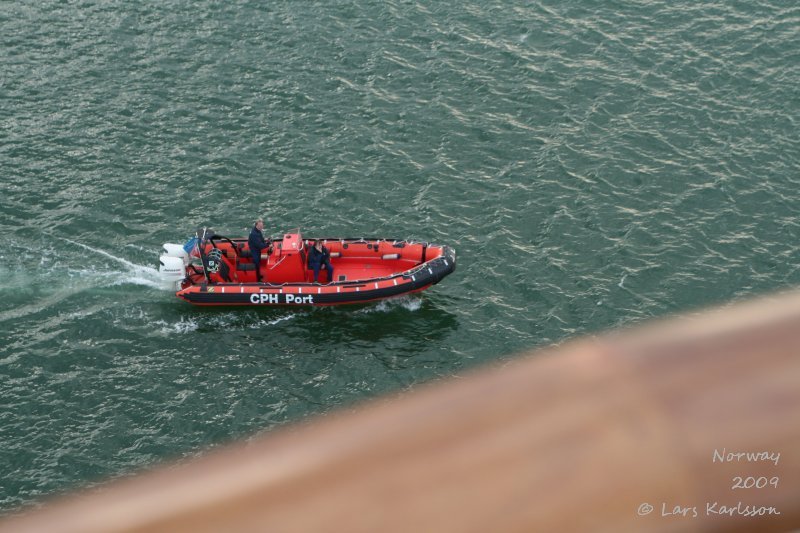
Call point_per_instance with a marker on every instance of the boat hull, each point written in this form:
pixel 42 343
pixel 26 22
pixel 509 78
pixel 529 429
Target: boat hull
pixel 352 291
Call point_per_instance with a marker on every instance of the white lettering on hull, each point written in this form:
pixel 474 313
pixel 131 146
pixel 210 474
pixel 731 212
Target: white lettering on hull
pixel 295 299
pixel 275 299
pixel 263 298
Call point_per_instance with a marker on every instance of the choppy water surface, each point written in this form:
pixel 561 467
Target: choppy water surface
pixel 594 164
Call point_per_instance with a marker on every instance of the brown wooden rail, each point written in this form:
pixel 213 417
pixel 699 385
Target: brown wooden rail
pixel 586 436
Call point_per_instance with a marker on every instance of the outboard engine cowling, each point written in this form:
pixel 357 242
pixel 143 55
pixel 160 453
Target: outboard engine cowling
pixel 172 270
pixel 176 250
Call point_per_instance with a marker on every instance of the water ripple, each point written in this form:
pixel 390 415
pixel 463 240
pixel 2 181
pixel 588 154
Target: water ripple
pixel 594 166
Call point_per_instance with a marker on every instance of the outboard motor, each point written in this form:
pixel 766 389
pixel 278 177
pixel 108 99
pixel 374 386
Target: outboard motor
pixel 176 250
pixel 172 271
pixel 176 257
pixel 173 262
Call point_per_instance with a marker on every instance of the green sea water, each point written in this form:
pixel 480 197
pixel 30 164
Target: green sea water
pixel 594 164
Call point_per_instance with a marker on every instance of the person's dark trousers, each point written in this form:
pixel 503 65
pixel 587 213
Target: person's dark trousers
pixel 328 267
pixel 257 263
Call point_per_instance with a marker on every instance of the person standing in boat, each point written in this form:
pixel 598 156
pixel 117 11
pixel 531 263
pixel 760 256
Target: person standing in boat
pixel 318 257
pixel 257 242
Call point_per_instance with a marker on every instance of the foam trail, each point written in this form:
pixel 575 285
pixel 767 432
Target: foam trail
pixel 227 322
pixel 408 302
pixel 142 275
pixel 182 326
pixel 132 266
pixel 144 281
pixel 273 322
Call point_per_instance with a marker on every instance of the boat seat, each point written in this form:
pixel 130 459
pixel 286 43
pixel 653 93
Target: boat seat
pixel 245 266
pixel 242 251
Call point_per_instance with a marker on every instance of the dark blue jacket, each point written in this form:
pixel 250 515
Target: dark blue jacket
pixel 256 241
pixel 317 258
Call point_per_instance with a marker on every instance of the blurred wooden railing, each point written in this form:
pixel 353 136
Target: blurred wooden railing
pixel 602 434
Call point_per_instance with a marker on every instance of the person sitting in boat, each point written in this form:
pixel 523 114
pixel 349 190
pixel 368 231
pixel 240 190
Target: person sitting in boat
pixel 257 242
pixel 318 257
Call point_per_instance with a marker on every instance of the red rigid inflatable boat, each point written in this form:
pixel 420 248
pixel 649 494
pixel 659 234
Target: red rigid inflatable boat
pixel 217 270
